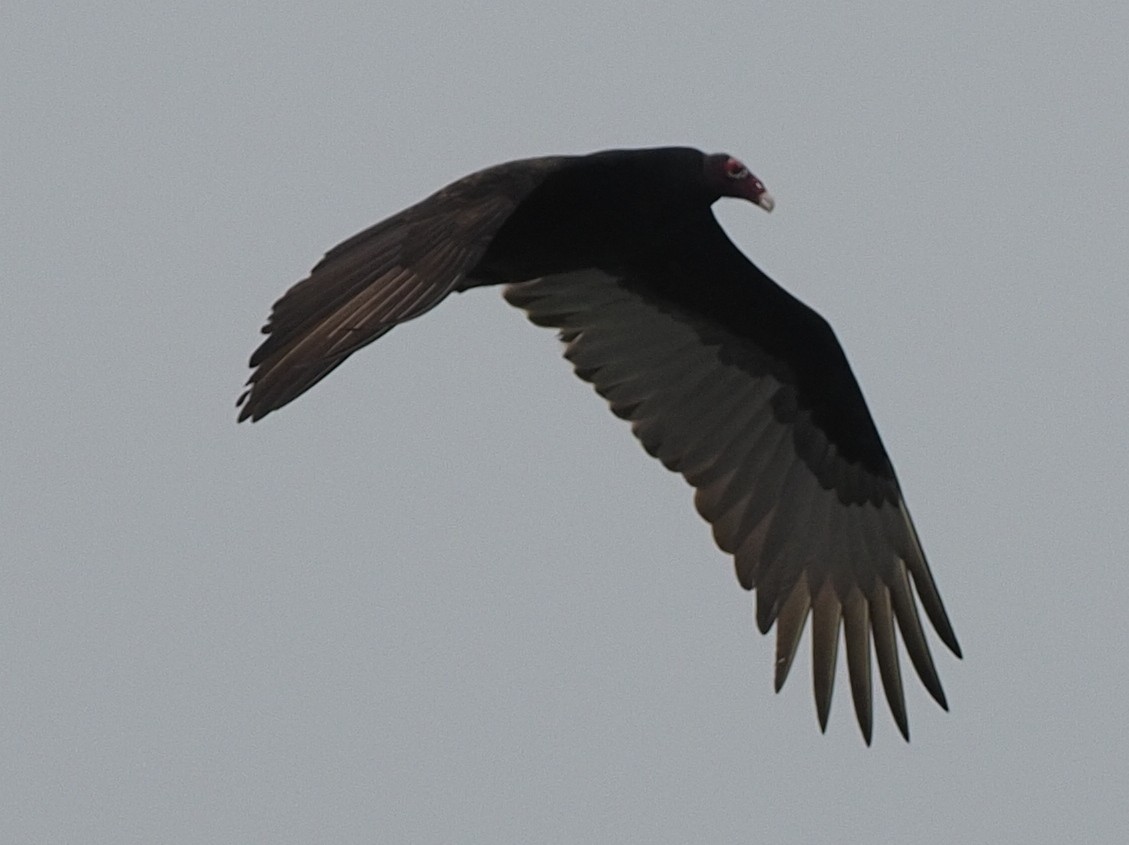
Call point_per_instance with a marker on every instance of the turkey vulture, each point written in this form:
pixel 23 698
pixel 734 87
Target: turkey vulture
pixel 725 377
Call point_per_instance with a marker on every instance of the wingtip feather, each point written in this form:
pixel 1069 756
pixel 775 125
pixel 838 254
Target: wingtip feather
pixel 856 631
pixel 826 617
pixel 789 630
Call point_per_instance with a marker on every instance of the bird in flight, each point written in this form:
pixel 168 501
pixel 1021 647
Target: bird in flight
pixel 725 377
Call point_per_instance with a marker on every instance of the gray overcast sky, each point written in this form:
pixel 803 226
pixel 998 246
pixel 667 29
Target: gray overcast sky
pixel 445 596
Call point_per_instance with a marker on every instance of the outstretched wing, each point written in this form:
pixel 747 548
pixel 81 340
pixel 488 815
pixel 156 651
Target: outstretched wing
pixel 742 389
pixel 385 275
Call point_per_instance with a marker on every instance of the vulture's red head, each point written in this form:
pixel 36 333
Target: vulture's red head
pixel 729 177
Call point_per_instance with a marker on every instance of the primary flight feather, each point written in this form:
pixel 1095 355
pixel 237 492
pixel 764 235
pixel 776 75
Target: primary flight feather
pixel 725 377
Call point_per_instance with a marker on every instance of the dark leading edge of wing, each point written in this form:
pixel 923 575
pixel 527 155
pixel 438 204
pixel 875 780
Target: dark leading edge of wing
pixel 724 376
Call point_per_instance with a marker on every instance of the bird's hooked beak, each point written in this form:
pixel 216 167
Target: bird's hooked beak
pixel 754 191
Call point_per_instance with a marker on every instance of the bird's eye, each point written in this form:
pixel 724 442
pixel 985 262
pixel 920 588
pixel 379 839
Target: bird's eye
pixel 735 169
